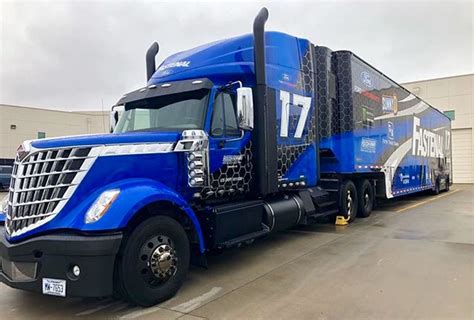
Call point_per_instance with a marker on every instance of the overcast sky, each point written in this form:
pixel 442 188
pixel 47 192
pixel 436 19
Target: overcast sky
pixel 73 55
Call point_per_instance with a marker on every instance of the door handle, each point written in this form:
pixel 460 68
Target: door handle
pixel 221 144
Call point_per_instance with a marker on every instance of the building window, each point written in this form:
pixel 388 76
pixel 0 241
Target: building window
pixel 450 114
pixel 41 135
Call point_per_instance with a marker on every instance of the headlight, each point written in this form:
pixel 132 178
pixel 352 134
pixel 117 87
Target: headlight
pixel 101 205
pixel 4 204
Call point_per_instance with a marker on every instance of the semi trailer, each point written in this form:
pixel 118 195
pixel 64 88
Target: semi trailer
pixel 226 143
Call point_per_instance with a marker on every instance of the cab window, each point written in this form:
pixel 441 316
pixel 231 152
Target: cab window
pixel 224 119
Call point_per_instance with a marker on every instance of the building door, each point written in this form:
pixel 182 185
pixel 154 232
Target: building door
pixel 462 156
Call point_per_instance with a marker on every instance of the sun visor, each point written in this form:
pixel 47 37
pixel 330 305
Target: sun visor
pixel 167 88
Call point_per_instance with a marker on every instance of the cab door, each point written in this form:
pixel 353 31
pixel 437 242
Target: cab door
pixel 229 150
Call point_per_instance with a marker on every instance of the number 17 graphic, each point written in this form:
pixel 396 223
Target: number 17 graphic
pixel 299 101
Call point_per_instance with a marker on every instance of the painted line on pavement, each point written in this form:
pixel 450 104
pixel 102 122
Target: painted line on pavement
pixel 427 201
pixel 196 302
pixel 138 312
pixel 98 308
pixel 185 307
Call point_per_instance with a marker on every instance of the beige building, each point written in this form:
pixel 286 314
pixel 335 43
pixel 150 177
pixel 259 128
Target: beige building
pixel 455 97
pixel 18 124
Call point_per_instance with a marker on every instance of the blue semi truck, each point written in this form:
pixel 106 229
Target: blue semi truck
pixel 226 143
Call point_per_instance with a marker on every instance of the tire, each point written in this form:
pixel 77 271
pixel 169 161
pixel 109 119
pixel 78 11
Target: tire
pixel 447 185
pixel 365 199
pixel 154 262
pixel 348 201
pixel 435 190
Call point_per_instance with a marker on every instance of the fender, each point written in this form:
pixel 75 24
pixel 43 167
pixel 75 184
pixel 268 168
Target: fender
pixel 134 195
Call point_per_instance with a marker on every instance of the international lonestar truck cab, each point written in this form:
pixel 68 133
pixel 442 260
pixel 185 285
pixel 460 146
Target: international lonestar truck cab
pixel 226 143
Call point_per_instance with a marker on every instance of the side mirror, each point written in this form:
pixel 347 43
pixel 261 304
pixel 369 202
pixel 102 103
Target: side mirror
pixel 114 116
pixel 245 108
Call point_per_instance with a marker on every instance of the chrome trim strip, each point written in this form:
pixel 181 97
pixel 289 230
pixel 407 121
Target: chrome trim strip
pixel 17 205
pixel 46 174
pixel 52 160
pixel 136 149
pixel 45 187
pixel 36 216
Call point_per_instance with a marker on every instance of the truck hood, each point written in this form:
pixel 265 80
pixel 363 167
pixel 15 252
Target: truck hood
pixel 106 139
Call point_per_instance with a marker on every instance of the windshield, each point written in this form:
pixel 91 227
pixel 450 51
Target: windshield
pixel 175 112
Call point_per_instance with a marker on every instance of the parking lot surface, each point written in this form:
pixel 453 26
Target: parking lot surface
pixel 413 258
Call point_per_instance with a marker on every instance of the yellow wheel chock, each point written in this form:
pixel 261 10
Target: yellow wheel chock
pixel 341 221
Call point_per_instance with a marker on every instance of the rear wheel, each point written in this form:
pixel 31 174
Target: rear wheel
pixel 154 261
pixel 366 199
pixel 348 201
pixel 436 187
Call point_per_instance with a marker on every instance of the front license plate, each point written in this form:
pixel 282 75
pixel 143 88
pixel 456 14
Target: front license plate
pixel 54 287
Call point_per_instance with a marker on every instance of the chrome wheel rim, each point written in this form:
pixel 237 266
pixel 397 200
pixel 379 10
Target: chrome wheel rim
pixel 366 199
pixel 158 260
pixel 349 203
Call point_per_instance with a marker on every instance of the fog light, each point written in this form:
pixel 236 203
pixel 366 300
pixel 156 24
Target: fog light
pixel 76 271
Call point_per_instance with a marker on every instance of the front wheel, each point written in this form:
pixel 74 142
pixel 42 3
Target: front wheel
pixel 348 201
pixel 154 261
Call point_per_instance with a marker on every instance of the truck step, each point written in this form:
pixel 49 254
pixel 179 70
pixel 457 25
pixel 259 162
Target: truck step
pixel 319 195
pixel 329 183
pixel 326 204
pixel 245 237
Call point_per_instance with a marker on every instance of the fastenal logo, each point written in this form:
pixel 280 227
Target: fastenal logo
pixel 425 142
pixel 177 64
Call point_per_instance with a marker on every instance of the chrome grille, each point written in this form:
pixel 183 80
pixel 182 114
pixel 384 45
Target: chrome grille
pixel 42 183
